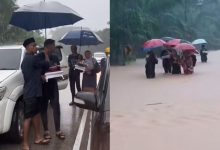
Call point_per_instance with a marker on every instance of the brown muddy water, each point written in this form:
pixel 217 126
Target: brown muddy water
pixel 170 112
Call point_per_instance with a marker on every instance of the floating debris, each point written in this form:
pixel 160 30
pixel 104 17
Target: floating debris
pixel 154 104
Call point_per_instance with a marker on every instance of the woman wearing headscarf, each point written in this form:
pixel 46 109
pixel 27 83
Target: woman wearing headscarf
pixel 151 61
pixel 203 53
pixel 175 60
pixel 194 59
pixel 166 61
pixel 187 63
pixel 89 82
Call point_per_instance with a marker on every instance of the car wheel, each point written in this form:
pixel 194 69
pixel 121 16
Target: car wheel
pixel 16 131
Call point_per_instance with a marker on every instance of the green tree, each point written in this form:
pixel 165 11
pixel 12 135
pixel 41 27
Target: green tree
pixel 10 34
pixel 134 22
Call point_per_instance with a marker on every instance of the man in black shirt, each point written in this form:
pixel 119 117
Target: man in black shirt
pixel 203 53
pixel 165 55
pixel 51 94
pixel 74 74
pixel 32 66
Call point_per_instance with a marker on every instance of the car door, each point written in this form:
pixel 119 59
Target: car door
pixel 99 103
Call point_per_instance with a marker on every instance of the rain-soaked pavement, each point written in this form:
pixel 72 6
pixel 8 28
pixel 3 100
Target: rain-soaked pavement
pixel 171 112
pixel 76 124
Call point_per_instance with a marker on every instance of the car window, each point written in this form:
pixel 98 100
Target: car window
pixel 99 55
pixel 10 59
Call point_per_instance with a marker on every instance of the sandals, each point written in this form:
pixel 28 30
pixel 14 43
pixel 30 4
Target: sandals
pixel 42 142
pixel 47 136
pixel 60 135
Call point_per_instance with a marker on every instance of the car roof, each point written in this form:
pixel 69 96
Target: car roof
pixel 12 47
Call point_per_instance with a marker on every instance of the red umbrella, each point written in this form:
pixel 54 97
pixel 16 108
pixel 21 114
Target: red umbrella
pixel 185 47
pixel 154 43
pixel 175 42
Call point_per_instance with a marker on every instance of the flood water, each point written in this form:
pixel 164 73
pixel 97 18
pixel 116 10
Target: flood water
pixel 180 112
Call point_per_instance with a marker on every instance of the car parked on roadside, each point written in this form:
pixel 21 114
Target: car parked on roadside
pixel 99 56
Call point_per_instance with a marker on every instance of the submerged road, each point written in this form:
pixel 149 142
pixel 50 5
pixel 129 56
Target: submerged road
pixel 171 112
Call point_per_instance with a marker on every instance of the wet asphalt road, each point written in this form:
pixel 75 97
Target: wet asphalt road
pixel 75 123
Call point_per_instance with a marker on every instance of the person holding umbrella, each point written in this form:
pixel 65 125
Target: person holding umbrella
pixel 151 61
pixel 203 53
pixel 194 59
pixel 51 94
pixel 32 66
pixel 74 74
pixel 186 50
pixel 165 55
pixel 175 61
pixel 187 63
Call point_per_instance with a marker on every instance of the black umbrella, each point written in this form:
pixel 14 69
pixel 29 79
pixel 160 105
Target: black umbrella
pixel 81 37
pixel 44 15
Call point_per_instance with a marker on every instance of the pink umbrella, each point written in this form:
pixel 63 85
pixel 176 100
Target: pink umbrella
pixel 154 43
pixel 175 42
pixel 185 47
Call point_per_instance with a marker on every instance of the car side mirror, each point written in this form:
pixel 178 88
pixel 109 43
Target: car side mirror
pixel 86 100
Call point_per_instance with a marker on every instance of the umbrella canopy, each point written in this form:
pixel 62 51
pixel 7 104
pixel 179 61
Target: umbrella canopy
pixel 81 37
pixel 166 39
pixel 44 15
pixel 173 43
pixel 185 47
pixel 199 41
pixel 153 44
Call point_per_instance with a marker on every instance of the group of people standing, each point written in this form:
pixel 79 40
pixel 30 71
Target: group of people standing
pixel 172 61
pixel 89 81
pixel 38 92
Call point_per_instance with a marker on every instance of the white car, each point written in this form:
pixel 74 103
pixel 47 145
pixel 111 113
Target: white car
pixel 98 56
pixel 11 89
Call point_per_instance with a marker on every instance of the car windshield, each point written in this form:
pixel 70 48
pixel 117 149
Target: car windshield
pixel 99 55
pixel 10 59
